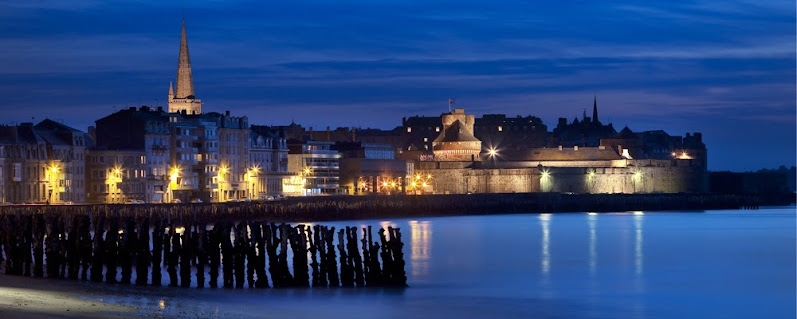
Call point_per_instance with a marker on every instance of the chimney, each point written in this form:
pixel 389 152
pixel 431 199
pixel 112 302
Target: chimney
pixel 227 113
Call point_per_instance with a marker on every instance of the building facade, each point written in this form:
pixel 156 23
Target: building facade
pixel 268 153
pixel 318 164
pixel 44 163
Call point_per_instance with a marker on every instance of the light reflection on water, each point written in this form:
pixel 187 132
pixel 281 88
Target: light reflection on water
pixel 725 264
pixel 545 262
pixel 592 219
pixel 420 247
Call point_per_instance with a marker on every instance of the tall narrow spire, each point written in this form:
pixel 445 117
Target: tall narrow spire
pixel 181 95
pixel 595 109
pixel 185 80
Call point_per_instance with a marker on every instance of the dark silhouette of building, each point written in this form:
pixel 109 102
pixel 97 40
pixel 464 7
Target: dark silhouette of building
pixel 587 132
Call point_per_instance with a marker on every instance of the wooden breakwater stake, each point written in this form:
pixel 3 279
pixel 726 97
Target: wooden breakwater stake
pixel 133 245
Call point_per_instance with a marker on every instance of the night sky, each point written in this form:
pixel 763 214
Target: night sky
pixel 724 68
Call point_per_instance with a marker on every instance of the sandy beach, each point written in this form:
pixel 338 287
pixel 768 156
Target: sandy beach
pixel 25 297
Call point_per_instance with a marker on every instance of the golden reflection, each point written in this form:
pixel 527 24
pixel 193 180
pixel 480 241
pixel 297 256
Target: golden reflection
pixel 420 241
pixel 162 304
pixel 545 263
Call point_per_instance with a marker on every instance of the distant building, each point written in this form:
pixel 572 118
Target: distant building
pixel 498 131
pixel 615 165
pixel 183 157
pixel 587 132
pixel 318 164
pixel 268 154
pixel 456 141
pixel 42 164
pixel 367 168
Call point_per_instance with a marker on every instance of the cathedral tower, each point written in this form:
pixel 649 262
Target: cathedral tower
pixel 181 95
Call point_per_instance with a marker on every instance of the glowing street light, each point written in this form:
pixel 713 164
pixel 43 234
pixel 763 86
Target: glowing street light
pixel 175 173
pixel 492 152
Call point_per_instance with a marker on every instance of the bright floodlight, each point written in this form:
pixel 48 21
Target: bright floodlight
pixel 492 152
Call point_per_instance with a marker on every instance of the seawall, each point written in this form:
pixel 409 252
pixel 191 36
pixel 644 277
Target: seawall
pixel 329 208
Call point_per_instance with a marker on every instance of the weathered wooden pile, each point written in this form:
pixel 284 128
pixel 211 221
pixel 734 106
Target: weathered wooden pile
pixel 112 244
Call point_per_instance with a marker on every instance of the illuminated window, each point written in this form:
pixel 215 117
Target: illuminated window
pixel 437 129
pixel 409 130
pixel 425 139
pixel 500 128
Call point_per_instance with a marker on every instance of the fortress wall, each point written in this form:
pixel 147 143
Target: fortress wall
pixel 657 177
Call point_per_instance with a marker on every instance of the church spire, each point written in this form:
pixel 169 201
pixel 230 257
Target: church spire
pixel 595 109
pixel 185 80
pixel 181 94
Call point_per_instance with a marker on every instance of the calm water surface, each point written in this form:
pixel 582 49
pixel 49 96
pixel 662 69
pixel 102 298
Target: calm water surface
pixel 716 264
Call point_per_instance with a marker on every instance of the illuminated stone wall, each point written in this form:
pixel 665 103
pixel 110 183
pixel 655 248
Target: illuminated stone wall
pixel 644 176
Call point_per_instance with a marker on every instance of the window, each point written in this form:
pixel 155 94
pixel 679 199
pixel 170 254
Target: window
pixel 409 129
pixel 500 128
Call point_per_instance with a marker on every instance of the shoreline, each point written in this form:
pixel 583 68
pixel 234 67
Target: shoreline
pixel 341 208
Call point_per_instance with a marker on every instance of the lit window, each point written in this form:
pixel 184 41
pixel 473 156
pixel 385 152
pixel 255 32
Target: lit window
pixel 425 139
pixel 500 128
pixel 437 129
pixel 409 130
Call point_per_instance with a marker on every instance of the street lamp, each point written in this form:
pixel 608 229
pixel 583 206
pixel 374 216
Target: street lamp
pixel 222 171
pixel 252 175
pixel 174 174
pixel 53 181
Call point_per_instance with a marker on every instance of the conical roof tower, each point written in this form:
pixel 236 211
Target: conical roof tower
pixel 185 80
pixel 182 98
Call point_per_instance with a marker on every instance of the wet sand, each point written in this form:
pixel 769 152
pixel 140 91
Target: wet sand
pixel 25 297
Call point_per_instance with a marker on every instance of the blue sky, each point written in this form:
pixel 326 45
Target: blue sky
pixel 724 68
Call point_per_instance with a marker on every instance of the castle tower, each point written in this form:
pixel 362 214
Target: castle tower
pixel 595 110
pixel 456 141
pixel 181 96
